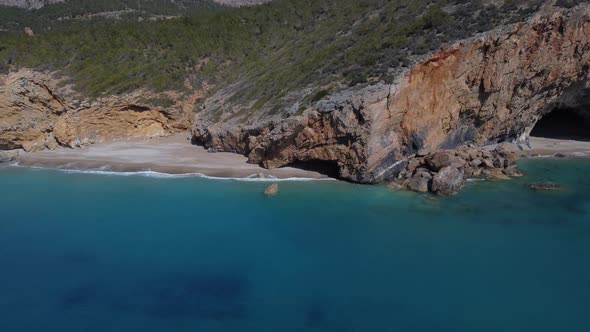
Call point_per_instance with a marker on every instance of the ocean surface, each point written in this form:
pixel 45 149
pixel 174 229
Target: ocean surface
pixel 99 252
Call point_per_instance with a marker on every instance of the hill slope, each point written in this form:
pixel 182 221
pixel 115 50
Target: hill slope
pixel 68 14
pixel 291 81
pixel 28 4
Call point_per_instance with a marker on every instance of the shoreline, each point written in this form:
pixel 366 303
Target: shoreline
pixel 172 156
pixel 175 156
pixel 558 148
pixel 155 174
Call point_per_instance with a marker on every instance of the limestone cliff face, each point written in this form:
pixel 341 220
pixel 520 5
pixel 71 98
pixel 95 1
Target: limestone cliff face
pixel 494 88
pixel 488 89
pixel 37 113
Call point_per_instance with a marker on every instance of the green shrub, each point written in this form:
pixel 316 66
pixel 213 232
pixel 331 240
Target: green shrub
pixel 265 51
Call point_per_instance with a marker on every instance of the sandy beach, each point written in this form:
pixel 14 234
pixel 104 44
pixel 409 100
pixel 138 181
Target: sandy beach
pixel 176 155
pixel 548 147
pixel 171 155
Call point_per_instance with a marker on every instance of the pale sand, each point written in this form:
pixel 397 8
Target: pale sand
pixel 548 147
pixel 171 155
pixel 176 155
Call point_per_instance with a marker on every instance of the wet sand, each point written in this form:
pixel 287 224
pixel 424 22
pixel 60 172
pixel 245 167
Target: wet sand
pixel 171 155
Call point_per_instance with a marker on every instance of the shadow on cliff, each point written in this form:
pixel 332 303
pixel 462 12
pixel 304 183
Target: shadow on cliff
pixel 565 123
pixel 327 168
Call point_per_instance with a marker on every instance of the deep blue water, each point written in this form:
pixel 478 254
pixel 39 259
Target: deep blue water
pixel 82 252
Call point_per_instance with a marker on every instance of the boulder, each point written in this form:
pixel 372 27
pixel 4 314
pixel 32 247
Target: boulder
pixel 508 151
pixel 499 162
pixel 487 163
pixel 420 182
pixel 423 152
pixel 475 163
pixel 413 164
pixel 473 171
pixel 442 159
pixel 9 155
pixel 464 154
pixel 449 181
pixel 512 171
pixel 495 174
pixel 394 186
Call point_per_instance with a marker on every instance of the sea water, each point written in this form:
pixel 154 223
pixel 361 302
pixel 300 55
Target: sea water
pixel 100 252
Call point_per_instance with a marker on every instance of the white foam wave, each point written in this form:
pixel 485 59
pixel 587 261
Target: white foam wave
pixel 105 170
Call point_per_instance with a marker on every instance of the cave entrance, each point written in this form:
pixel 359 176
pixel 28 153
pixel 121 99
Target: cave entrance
pixel 324 167
pixel 570 117
pixel 565 123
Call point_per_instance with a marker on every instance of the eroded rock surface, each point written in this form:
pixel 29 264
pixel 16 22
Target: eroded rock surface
pixel 37 113
pixel 484 90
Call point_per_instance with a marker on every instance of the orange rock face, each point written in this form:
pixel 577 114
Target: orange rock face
pixel 494 88
pixel 489 89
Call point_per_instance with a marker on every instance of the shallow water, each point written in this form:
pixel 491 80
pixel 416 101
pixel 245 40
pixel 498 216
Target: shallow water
pixel 91 252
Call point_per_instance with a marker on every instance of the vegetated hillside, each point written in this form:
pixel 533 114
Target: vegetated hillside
pixel 28 4
pixel 67 14
pixel 263 52
pixel 241 2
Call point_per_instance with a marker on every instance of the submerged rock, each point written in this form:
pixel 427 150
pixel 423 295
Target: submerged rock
pixel 495 174
pixel 449 181
pixel 395 186
pixel 547 186
pixel 214 297
pixel 272 190
pixel 512 171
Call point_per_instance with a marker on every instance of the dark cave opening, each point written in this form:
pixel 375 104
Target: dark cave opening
pixel 324 167
pixel 564 123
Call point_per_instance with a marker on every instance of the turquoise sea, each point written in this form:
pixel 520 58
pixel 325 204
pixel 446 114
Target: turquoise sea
pixel 91 252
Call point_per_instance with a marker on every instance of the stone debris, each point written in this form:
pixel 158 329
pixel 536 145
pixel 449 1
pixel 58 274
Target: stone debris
pixel 444 172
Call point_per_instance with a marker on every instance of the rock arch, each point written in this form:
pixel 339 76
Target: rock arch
pixel 569 118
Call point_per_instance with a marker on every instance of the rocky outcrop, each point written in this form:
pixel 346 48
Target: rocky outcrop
pixel 99 124
pixel 8 156
pixel 444 172
pixel 37 113
pixel 335 132
pixel 484 90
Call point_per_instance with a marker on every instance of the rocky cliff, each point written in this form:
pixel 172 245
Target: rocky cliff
pixel 488 89
pixel 39 112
